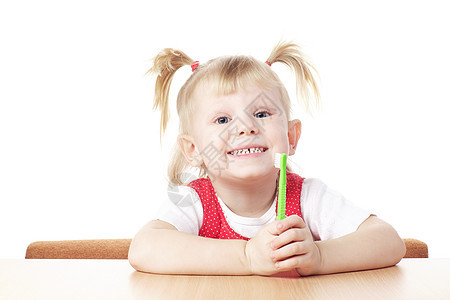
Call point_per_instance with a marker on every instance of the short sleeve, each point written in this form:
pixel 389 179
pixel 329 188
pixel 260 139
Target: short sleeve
pixel 183 209
pixel 327 213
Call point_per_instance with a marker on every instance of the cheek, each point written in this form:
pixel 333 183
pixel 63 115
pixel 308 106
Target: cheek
pixel 211 145
pixel 278 136
pixel 278 129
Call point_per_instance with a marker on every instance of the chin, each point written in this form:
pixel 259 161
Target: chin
pixel 253 173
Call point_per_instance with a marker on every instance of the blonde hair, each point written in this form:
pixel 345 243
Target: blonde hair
pixel 225 75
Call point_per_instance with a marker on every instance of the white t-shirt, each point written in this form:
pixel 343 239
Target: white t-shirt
pixel 327 213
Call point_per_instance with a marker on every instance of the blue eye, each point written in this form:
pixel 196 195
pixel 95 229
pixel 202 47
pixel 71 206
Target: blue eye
pixel 262 114
pixel 222 120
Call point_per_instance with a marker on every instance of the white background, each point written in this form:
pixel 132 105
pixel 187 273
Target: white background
pixel 79 143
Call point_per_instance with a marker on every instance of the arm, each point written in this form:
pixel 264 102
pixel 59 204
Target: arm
pixel 160 248
pixel 374 244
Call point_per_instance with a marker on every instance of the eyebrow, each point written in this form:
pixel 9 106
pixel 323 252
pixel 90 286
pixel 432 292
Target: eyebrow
pixel 264 105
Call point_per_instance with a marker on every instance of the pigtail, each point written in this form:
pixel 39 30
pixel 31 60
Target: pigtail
pixel 165 64
pixel 291 55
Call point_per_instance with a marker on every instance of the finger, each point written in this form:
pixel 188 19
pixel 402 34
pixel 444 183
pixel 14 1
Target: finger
pixel 294 262
pixel 292 221
pixel 289 236
pixel 293 249
pixel 288 264
pixel 274 228
pixel 279 226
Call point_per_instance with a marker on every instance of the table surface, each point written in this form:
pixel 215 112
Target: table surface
pixel 116 279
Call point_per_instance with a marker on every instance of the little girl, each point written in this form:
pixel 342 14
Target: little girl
pixel 234 116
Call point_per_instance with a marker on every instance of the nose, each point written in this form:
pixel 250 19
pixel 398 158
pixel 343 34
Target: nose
pixel 247 127
pixel 247 132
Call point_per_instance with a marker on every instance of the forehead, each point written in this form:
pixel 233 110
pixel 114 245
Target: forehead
pixel 207 96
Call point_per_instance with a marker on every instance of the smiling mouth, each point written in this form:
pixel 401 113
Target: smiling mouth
pixel 248 151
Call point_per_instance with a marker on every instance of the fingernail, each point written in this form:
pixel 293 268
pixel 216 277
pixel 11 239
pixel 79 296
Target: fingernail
pixel 280 225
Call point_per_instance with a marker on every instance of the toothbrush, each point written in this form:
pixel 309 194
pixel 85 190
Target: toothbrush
pixel 280 163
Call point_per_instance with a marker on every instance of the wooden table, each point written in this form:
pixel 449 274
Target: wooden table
pixel 116 279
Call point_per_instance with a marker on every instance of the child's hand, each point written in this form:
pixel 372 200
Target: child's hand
pixel 295 247
pixel 282 246
pixel 258 250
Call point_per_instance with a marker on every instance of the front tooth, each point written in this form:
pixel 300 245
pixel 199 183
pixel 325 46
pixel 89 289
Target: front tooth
pixel 247 151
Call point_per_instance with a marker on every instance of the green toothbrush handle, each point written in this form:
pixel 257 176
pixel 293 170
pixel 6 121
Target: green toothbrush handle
pixel 281 211
pixel 281 208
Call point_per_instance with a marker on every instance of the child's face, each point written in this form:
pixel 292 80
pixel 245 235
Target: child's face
pixel 251 120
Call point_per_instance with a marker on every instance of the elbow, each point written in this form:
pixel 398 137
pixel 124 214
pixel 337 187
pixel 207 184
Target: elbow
pixel 144 257
pixel 137 258
pixel 134 263
pixel 147 250
pixel 133 257
pixel 392 246
pixel 399 251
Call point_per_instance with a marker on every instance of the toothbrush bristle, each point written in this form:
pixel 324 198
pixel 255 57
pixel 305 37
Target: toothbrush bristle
pixel 276 160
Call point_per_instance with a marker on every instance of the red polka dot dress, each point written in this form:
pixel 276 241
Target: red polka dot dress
pixel 215 224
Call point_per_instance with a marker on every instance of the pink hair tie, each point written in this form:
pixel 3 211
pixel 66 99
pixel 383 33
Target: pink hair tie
pixel 194 65
pixel 269 63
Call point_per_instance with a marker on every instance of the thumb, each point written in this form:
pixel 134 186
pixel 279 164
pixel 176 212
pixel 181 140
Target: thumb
pixel 275 228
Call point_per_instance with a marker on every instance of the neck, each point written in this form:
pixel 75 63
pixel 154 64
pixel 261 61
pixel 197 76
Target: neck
pixel 249 198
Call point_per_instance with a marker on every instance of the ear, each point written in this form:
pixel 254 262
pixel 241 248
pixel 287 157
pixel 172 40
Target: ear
pixel 295 130
pixel 189 150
